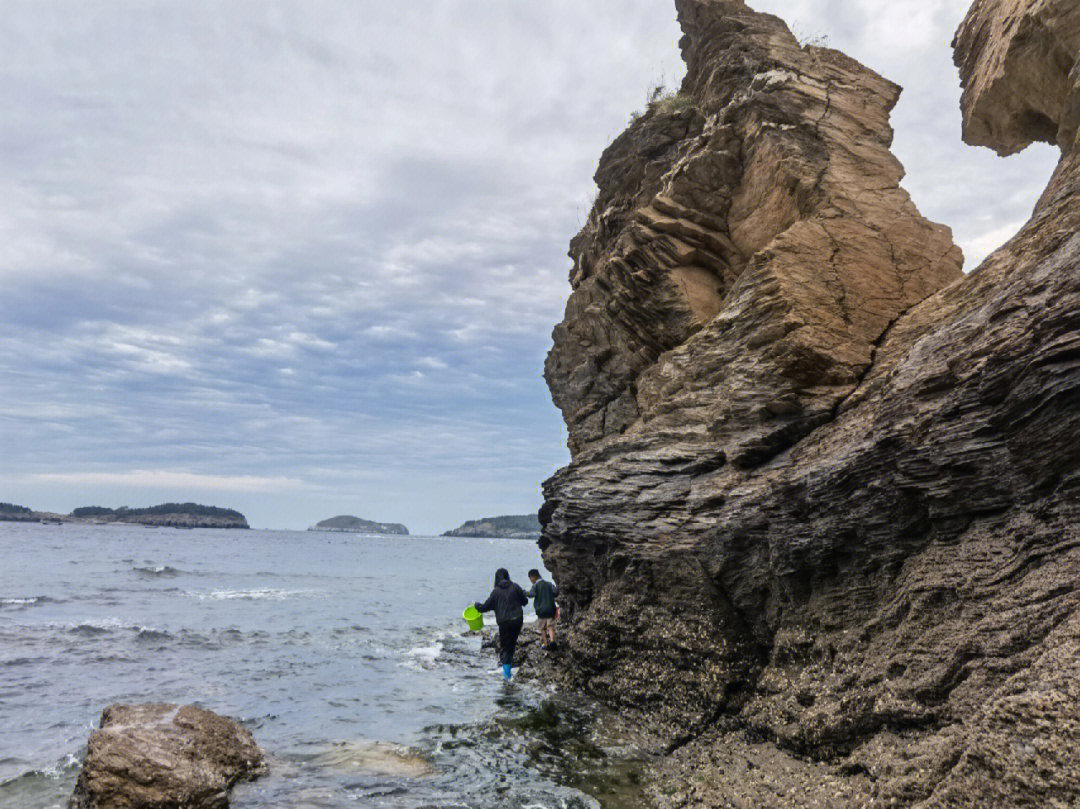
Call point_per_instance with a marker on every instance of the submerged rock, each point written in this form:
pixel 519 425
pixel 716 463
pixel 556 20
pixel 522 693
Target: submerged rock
pixel 161 756
pixel 827 502
pixel 374 758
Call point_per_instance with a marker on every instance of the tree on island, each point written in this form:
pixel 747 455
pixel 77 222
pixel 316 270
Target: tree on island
pixel 164 508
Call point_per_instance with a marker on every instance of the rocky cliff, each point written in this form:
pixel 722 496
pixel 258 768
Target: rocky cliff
pixel 820 522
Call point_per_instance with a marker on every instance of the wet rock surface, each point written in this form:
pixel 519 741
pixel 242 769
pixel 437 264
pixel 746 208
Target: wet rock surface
pixel 161 756
pixel 823 530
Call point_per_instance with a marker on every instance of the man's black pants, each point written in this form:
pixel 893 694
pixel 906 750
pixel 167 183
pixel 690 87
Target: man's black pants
pixel 508 635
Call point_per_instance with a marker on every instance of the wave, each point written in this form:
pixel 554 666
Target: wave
pixel 90 630
pixel 147 634
pixel 24 602
pixel 93 634
pixel 21 661
pixel 34 785
pixel 427 654
pixel 107 626
pixel 161 571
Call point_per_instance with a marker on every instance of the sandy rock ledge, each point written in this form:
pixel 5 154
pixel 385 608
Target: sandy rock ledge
pixel 161 756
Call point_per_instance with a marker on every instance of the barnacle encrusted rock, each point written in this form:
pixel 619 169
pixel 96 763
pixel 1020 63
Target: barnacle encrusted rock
pixel 160 756
pixel 822 519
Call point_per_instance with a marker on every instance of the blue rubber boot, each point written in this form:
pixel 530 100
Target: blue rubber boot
pixel 506 672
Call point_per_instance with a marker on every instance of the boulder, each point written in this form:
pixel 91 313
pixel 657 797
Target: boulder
pixel 160 756
pixel 749 247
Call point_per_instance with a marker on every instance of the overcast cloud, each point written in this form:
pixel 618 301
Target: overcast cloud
pixel 304 258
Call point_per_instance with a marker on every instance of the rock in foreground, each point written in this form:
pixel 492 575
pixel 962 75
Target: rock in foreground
pixel 164 757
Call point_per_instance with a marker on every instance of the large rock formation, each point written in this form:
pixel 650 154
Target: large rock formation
pixel 164 757
pixel 821 517
pixel 1016 59
pixel 749 250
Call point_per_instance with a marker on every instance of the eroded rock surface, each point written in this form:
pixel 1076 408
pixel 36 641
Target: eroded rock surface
pixel 749 245
pixel 839 515
pixel 164 757
pixel 749 249
pixel 1016 60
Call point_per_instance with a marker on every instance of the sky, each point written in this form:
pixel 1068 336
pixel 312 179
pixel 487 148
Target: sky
pixel 304 258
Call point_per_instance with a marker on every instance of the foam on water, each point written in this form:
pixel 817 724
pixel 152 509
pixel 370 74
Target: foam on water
pixel 426 654
pixel 29 601
pixel 263 593
pixel 164 571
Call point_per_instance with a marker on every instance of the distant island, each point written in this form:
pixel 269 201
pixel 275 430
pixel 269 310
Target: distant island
pixel 511 526
pixel 169 515
pixel 346 523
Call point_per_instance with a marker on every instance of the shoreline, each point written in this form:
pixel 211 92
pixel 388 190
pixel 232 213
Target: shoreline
pixel 168 521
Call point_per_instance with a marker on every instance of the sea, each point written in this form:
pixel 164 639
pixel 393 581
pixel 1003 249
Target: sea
pixel 345 655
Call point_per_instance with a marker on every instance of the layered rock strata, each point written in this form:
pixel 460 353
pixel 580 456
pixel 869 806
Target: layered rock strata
pixel 1016 59
pixel 749 249
pixel 828 521
pixel 164 757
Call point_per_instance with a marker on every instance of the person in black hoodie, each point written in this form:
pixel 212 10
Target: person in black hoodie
pixel 506 599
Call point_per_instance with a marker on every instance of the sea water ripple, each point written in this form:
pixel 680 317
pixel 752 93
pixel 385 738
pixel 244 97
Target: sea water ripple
pixel 343 654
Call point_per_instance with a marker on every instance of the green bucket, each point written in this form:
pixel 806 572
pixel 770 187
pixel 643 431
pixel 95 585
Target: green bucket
pixel 473 618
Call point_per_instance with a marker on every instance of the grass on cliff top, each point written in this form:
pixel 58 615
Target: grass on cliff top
pixel 661 101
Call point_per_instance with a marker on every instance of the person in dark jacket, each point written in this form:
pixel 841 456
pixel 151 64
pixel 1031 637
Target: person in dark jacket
pixel 543 595
pixel 506 599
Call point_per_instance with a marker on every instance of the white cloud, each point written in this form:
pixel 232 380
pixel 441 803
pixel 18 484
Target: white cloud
pixel 169 479
pixel 432 363
pixel 248 238
pixel 991 240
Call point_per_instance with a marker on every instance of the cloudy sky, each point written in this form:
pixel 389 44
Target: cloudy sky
pixel 303 258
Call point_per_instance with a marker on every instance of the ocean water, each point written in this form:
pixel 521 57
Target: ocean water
pixel 344 655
